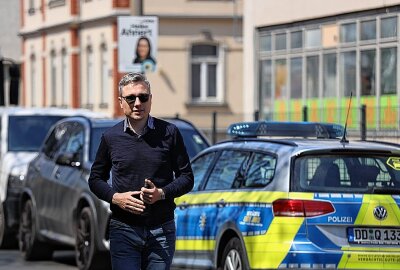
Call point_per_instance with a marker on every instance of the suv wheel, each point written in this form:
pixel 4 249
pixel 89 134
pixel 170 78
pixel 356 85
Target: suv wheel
pixel 233 256
pixel 29 245
pixel 86 253
pixel 7 238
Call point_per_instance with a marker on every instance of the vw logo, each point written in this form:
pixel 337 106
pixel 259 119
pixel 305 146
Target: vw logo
pixel 380 213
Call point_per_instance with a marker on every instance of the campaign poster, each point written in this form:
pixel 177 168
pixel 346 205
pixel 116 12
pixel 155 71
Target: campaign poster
pixel 137 43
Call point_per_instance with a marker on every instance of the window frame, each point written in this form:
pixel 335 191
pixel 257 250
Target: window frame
pixel 204 61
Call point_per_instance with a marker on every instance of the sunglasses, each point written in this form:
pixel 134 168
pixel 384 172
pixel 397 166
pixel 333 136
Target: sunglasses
pixel 132 98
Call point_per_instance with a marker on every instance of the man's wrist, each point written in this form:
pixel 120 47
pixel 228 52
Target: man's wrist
pixel 162 194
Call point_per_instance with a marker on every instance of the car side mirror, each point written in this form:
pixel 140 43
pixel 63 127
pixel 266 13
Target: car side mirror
pixel 68 159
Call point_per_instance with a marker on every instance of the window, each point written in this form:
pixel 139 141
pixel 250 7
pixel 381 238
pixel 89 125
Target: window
pixel 388 71
pixel 228 172
pixel 206 73
pixel 296 39
pixel 368 30
pixel 331 173
pixel 312 77
pixel 280 41
pixel 389 27
pixel 348 73
pixel 348 32
pixel 33 80
pixel 261 171
pixel 104 76
pixel 200 167
pixel 280 79
pixel 296 67
pixel 368 71
pixel 74 142
pixel 26 133
pixel 266 87
pixel 265 43
pixel 64 78
pixel 328 59
pixel 53 78
pixel 313 38
pixel 56 3
pixel 31 7
pixel 329 89
pixel 55 139
pixel 89 75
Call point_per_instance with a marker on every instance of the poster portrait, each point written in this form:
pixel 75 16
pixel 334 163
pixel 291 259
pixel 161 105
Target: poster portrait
pixel 137 43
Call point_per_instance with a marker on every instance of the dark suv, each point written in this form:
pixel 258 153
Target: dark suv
pixel 57 208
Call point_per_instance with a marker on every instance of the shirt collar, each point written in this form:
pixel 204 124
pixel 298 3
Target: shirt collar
pixel 150 123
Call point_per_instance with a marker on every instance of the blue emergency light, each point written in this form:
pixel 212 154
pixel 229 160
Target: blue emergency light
pixel 286 129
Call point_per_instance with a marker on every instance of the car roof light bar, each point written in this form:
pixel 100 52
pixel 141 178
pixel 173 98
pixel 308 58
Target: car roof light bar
pixel 286 129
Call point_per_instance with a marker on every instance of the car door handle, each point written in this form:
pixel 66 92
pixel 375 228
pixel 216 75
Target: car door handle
pixel 183 205
pixel 221 203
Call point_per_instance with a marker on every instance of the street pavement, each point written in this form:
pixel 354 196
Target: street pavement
pixel 12 259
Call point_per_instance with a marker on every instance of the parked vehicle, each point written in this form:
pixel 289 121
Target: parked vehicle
pixel 58 209
pixel 193 138
pixel 22 131
pixel 289 202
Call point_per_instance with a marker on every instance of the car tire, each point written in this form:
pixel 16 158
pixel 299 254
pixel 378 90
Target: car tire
pixel 86 253
pixel 233 256
pixel 8 239
pixel 29 245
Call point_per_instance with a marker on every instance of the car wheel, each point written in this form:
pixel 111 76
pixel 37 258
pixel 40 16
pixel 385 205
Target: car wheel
pixel 233 256
pixel 30 247
pixel 8 239
pixel 86 253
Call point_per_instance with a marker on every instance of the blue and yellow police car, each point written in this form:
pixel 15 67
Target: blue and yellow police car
pixel 307 199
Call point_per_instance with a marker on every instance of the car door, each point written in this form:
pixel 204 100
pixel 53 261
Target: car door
pixel 202 216
pixel 185 254
pixel 41 177
pixel 67 179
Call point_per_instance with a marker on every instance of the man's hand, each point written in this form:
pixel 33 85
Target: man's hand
pixel 128 202
pixel 150 194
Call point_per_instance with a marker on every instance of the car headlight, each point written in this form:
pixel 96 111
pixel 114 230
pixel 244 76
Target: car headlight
pixel 17 176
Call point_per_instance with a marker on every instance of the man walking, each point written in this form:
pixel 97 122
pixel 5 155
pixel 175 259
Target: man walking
pixel 150 167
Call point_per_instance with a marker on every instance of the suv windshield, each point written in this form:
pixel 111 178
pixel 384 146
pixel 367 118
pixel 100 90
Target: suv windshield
pixel 27 132
pixel 347 173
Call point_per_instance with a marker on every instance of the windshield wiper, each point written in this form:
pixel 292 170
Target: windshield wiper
pixel 386 190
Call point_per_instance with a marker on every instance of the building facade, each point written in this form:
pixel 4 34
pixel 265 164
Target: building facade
pixel 70 56
pixel 10 43
pixel 312 56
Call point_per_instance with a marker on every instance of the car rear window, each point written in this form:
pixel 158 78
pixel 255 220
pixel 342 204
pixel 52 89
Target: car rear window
pixel 26 133
pixel 347 173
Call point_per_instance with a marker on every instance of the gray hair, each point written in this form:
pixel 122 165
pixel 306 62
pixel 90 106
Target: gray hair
pixel 132 78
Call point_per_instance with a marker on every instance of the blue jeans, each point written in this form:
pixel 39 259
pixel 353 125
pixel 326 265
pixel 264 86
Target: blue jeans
pixel 141 247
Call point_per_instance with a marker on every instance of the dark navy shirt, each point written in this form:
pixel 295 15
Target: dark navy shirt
pixel 159 155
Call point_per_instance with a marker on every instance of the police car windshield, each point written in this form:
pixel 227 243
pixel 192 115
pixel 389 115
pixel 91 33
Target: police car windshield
pixel 365 174
pixel 27 132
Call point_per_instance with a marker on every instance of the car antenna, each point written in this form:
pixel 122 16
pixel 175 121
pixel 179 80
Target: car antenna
pixel 344 140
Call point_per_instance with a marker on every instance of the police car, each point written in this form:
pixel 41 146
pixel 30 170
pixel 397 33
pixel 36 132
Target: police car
pixel 306 199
